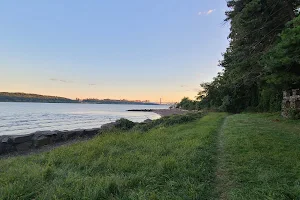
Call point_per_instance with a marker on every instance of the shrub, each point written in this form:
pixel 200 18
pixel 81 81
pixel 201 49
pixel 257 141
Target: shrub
pixel 169 121
pixel 124 124
pixel 293 114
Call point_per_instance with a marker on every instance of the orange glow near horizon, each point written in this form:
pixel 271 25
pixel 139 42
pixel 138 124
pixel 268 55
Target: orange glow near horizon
pixel 152 97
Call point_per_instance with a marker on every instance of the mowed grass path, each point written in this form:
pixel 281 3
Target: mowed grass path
pixel 261 157
pixel 176 162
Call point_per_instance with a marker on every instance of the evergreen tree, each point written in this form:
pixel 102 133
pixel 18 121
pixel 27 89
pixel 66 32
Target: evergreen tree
pixel 245 82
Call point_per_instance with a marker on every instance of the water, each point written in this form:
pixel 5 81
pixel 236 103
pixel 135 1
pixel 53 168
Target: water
pixel 24 118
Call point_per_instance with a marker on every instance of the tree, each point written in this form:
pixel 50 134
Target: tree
pixel 246 79
pixel 282 62
pixel 187 104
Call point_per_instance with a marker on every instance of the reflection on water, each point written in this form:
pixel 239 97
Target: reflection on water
pixel 23 118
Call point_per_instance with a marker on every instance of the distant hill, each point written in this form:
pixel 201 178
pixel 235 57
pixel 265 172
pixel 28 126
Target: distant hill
pixel 113 101
pixel 24 97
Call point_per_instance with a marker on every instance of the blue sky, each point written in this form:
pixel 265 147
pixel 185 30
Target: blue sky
pixel 111 49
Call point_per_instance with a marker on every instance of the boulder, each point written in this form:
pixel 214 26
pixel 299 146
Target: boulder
pixel 73 134
pixel 9 148
pixel 108 126
pixel 41 140
pixel 6 140
pixel 6 145
pixel 91 132
pixel 2 150
pixel 25 146
pixel 59 137
pixel 17 139
pixel 45 133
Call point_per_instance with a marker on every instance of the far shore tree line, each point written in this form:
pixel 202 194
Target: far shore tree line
pixel 25 97
pixel 262 60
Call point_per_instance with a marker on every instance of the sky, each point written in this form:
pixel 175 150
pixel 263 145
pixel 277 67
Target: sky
pixel 133 49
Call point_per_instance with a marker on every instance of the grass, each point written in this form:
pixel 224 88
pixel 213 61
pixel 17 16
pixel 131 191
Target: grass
pixel 262 157
pixel 243 156
pixel 174 162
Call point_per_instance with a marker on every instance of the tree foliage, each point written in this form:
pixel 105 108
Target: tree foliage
pixel 24 97
pixel 187 104
pixel 262 59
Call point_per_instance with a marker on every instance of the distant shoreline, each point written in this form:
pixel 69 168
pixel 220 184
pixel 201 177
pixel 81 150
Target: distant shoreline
pixel 116 103
pixel 37 98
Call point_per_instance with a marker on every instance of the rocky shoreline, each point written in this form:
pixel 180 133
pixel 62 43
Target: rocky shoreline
pixel 30 142
pixel 24 144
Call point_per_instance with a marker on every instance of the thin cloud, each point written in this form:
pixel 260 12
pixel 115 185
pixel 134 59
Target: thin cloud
pixel 207 12
pixel 92 84
pixel 60 80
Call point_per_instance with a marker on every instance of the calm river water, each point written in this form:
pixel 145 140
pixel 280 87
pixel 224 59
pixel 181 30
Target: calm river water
pixel 24 118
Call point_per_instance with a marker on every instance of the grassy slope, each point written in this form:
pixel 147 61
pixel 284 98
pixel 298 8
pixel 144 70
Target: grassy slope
pixel 262 157
pixel 166 163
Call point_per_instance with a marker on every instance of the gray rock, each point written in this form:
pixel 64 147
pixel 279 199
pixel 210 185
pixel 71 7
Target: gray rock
pixel 108 126
pixel 6 139
pixel 73 134
pixel 60 136
pixel 1 148
pixel 25 146
pixel 91 132
pixel 45 133
pixel 5 148
pixel 17 139
pixel 42 140
pixel 6 144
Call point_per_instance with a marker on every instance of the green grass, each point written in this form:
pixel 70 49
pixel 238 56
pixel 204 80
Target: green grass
pixel 175 162
pixel 262 157
pixel 245 156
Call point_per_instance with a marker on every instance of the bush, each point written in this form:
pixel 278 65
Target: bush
pixel 293 114
pixel 124 124
pixel 188 104
pixel 169 121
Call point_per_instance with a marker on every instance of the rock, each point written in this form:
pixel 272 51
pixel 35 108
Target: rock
pixel 59 137
pixel 147 121
pixel 73 134
pixel 9 148
pixel 42 140
pixel 6 145
pixel 1 148
pixel 17 139
pixel 25 146
pixel 6 139
pixel 108 126
pixel 45 133
pixel 91 132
